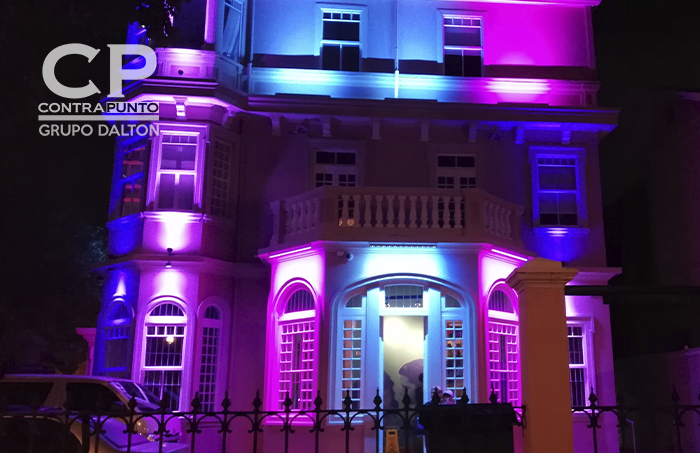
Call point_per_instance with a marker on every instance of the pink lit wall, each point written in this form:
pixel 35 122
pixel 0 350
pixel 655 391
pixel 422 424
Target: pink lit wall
pixel 536 35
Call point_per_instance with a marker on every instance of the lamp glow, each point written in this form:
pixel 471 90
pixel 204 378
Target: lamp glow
pixel 170 339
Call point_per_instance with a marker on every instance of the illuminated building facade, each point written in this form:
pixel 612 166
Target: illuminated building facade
pixel 365 197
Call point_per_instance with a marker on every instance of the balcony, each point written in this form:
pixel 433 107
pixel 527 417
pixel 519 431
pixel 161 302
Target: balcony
pixel 378 214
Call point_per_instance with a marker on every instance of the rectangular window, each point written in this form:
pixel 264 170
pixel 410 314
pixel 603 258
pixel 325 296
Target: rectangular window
pixel 577 366
pixel 220 180
pixel 163 362
pixel 130 186
pixel 297 364
pixel 558 190
pixel 335 169
pixel 116 347
pixel 352 361
pixel 454 360
pixel 462 47
pixel 403 296
pixel 456 172
pixel 231 36
pixel 503 361
pixel 176 172
pixel 207 371
pixel 340 46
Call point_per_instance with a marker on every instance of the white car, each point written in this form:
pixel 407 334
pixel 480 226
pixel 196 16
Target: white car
pixel 53 394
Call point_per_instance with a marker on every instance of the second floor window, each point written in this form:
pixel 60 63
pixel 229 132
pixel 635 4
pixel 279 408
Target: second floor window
pixel 335 169
pixel 558 190
pixel 462 46
pixel 177 172
pixel 578 365
pixel 340 46
pixel 456 172
pixel 131 178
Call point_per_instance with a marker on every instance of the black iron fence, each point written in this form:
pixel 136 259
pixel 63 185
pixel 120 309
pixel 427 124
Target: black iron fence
pixel 672 428
pixel 132 429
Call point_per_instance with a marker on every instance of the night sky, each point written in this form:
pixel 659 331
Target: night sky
pixel 640 45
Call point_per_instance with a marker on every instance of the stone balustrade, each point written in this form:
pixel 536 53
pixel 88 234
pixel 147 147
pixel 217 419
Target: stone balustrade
pixel 395 214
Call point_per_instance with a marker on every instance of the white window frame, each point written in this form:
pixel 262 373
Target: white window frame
pixel 177 321
pixel 224 209
pixel 336 146
pixel 219 365
pixel 338 7
pixel 201 134
pixel 122 181
pixel 460 14
pixel 110 324
pixel 455 172
pixel 587 325
pixel 372 311
pixel 579 155
pixel 295 318
pixel 221 30
pixel 505 318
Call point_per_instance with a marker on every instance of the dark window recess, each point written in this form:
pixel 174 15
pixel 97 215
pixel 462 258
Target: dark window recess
pixel 324 157
pixel 90 397
pixel 341 31
pixel 456 161
pixel 463 37
pixel 559 219
pixel 330 56
pixel 462 65
pixel 339 57
pixel 31 394
pixel 345 158
pixel 324 179
pixel 350 58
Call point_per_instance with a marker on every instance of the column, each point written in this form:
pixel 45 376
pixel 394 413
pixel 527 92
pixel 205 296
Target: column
pixel 210 24
pixel 544 355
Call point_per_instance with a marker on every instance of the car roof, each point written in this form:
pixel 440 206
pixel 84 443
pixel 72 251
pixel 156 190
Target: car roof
pixel 59 377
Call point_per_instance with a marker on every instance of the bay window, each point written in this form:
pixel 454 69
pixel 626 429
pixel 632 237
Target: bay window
pixel 163 357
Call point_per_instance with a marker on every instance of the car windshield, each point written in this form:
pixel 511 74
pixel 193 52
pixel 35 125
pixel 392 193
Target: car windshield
pixel 137 391
pixel 149 395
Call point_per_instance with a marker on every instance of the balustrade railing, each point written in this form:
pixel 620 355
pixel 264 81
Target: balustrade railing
pixel 470 215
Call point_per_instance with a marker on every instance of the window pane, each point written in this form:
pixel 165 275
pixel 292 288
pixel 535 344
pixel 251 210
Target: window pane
pixel 447 161
pixel 166 192
pixel 453 64
pixel 341 31
pixel 465 161
pixel 472 65
pixel 351 58
pixel 25 393
pixel 185 192
pixel 178 157
pixel 578 387
pixel 330 55
pixel 463 36
pixel 324 157
pixel 346 158
pixel 557 178
pixel 407 296
pixel 89 397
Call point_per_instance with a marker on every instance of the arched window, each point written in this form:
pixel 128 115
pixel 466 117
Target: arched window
pixel 117 335
pixel 503 345
pixel 401 335
pixel 163 358
pixel 296 335
pixel 209 358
